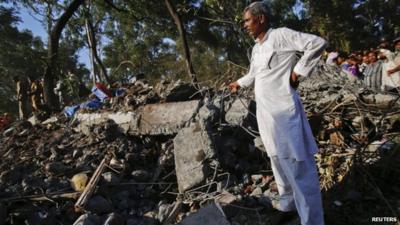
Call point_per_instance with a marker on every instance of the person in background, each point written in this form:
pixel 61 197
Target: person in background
pixel 373 72
pixel 391 67
pixel 364 64
pixel 22 88
pixel 5 121
pixel 352 69
pixel 36 95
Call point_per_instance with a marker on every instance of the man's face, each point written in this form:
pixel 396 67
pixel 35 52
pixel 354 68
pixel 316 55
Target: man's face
pixel 254 25
pixel 397 45
pixel 365 59
pixel 372 57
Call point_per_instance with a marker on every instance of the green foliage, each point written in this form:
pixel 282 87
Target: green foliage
pixel 22 55
pixel 139 36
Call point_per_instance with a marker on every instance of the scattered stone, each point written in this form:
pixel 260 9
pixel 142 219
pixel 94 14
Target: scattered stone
pixel 210 215
pixel 79 181
pixel 114 219
pixel 98 205
pixel 257 192
pixel 87 219
pixel 140 175
pixel 55 167
pixel 110 178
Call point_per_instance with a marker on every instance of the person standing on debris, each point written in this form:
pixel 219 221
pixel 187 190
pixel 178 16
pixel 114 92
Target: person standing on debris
pixel 373 72
pixel 5 121
pixel 391 67
pixel 283 125
pixel 22 88
pixel 36 95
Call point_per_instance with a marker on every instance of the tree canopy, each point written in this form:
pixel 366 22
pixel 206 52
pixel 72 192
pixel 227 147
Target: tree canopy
pixel 139 36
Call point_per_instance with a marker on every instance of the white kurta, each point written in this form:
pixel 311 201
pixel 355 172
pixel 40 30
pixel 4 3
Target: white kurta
pixel 283 125
pixel 392 81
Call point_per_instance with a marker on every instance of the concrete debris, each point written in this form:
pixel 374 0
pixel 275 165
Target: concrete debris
pixel 211 214
pixel 165 119
pixel 165 155
pixel 190 157
pixel 87 219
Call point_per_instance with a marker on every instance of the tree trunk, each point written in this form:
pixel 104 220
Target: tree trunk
pixel 89 40
pixel 94 50
pixel 52 53
pixel 182 33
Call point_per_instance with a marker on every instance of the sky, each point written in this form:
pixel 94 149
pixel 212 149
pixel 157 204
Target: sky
pixel 31 23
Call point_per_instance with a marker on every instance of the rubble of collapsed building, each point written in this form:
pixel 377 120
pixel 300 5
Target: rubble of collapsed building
pixel 175 154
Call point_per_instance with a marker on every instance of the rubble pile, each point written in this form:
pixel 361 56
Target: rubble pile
pixel 176 154
pixel 357 131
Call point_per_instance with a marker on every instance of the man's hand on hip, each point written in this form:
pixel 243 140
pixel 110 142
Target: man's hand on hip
pixel 294 80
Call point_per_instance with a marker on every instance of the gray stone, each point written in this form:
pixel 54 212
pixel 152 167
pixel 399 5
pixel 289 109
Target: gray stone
pixel 163 211
pixel 256 178
pixel 238 112
pixel 257 192
pixel 210 111
pixel 34 120
pixel 110 177
pixel 55 167
pixel 50 120
pixel 210 215
pixel 259 144
pixel 87 219
pixel 140 175
pixel 190 157
pixel 98 205
pixel 114 219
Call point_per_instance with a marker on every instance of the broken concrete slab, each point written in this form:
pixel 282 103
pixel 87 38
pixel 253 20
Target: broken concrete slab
pixel 190 147
pixel 237 112
pixel 210 215
pixel 241 113
pixel 123 120
pixel 152 119
pixel 165 118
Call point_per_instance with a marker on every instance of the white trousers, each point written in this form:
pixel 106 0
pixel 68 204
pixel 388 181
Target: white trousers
pixel 298 188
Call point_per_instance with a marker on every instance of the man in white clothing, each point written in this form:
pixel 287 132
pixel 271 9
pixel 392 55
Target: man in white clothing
pixel 391 67
pixel 283 125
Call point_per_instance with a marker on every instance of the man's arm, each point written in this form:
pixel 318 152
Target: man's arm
pixel 244 81
pixel 394 70
pixel 247 79
pixel 310 44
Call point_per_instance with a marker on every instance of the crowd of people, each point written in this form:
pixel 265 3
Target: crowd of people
pixel 377 68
